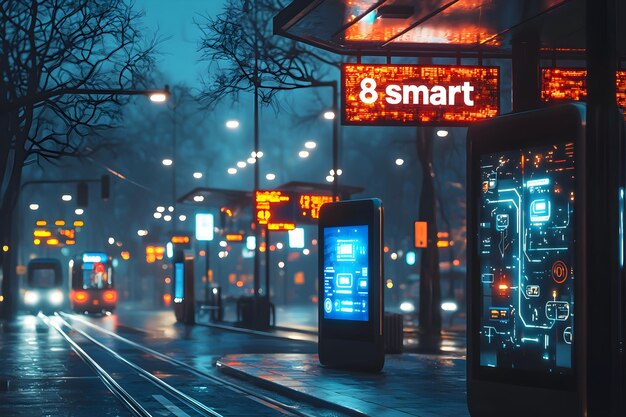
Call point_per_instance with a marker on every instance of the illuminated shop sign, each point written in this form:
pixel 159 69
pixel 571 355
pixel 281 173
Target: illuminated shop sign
pixel 571 84
pixel 418 94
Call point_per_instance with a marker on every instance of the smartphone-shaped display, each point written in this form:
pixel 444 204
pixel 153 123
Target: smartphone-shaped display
pixel 524 314
pixel 526 229
pixel 350 288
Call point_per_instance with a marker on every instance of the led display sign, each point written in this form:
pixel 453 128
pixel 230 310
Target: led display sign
pixel 274 209
pixel 310 204
pixel 346 275
pixel 526 255
pixel 418 94
pixel 234 237
pixel 280 210
pixel 571 84
pixel 180 239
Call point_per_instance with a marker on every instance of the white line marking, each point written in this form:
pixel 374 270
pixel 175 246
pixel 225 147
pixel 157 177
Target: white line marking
pixel 170 406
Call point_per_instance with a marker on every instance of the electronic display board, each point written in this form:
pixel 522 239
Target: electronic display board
pixel 310 204
pixel 526 253
pixel 275 210
pixel 386 94
pixel 571 84
pixel 281 210
pixel 346 278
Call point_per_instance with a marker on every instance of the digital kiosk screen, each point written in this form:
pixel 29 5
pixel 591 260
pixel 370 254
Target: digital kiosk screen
pixel 346 273
pixel 526 259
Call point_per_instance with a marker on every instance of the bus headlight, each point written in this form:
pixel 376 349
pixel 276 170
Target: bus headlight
pixel 31 297
pixel 55 297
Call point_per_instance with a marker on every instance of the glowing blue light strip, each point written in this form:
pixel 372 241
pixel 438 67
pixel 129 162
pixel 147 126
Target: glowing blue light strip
pixel 621 227
pixel 535 183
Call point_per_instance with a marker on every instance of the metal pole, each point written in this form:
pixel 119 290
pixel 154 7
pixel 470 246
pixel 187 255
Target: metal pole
pixel 601 157
pixel 335 141
pixel 206 269
pixel 174 163
pixel 267 265
pixel 257 260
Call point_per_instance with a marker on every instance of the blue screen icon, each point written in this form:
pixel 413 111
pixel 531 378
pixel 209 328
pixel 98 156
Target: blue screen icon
pixel 346 273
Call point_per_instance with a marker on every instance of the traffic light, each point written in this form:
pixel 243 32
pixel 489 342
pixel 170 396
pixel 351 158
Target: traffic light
pixel 82 194
pixel 105 187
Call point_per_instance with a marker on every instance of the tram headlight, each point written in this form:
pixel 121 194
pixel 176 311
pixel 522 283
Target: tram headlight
pixel 55 297
pixel 31 297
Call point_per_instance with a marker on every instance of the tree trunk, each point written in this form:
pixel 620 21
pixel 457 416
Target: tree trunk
pixel 430 286
pixel 9 235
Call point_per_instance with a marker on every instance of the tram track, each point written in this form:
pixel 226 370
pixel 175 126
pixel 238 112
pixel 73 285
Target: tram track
pixel 198 407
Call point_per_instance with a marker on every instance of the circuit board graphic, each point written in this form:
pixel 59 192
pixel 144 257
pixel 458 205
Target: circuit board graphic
pixel 526 241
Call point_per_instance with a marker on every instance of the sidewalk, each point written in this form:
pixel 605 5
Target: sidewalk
pixel 410 384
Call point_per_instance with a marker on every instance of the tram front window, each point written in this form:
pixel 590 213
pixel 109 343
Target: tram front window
pixel 96 276
pixel 42 278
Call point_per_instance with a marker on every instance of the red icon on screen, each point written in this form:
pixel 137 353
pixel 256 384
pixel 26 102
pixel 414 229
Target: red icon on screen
pixel 559 272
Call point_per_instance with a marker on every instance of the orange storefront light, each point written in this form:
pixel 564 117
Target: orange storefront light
pixel 234 237
pixel 42 233
pixel 180 239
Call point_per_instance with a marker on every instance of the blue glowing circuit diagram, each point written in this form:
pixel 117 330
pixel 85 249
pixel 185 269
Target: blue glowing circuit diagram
pixel 526 258
pixel 346 278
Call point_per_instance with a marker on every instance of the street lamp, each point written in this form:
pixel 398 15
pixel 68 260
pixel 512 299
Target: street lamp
pixel 270 176
pixel 167 162
pixel 79 211
pixel 66 197
pixel 442 133
pixel 399 161
pixel 329 115
pixel 34 206
pixel 303 154
pixel 197 175
pixel 232 124
pixel 310 144
pixel 159 97
pixel 232 171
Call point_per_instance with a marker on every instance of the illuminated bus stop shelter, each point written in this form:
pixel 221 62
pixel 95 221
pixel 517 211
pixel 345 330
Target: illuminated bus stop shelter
pixel 537 39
